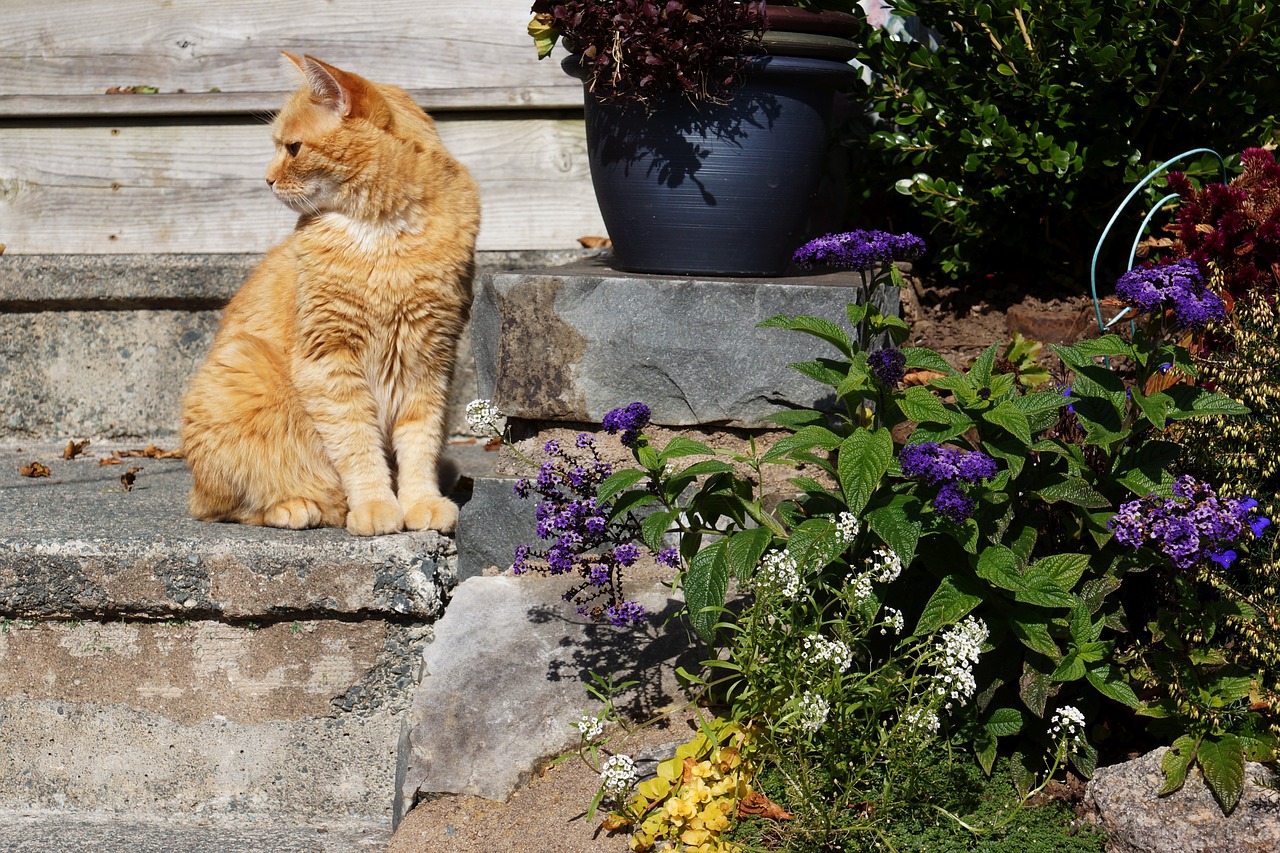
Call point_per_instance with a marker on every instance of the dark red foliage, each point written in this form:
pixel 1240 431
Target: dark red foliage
pixel 1235 227
pixel 638 49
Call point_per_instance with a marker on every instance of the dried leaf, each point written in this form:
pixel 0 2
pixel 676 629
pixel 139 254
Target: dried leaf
pixel 35 469
pixel 920 376
pixel 74 448
pixel 110 460
pixel 614 822
pixel 128 477
pixel 759 805
pixel 596 242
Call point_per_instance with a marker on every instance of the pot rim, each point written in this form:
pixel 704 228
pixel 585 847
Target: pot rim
pixel 817 71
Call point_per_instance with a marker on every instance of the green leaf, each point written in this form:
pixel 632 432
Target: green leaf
pixel 1176 762
pixel 705 584
pixel 824 371
pixel 706 466
pixel 1004 722
pixel 1034 688
pixel 814 544
pixel 1196 402
pixel 1062 570
pixel 898 525
pixel 926 359
pixel 1073 490
pixel 816 326
pixel 630 501
pixel 1070 669
pixel 805 438
pixel 1000 566
pixel 655 526
pixel 1221 759
pixel 1035 635
pixel 865 456
pixel 1087 350
pixel 956 595
pixel 681 446
pixel 984 746
pixel 923 406
pixel 1109 680
pixel 1010 418
pixel 744 550
pixel 624 479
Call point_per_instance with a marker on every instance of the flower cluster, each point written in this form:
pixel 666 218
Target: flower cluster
pixel 888 366
pixel 848 527
pixel 1068 723
pixel 960 647
pixel 813 711
pixel 483 417
pixel 947 468
pixel 1177 287
pixel 589 727
pixel 858 250
pixel 628 420
pixel 618 775
pixel 884 564
pixel 778 573
pixel 581 537
pixel 820 650
pixel 921 722
pixel 1192 527
pixel 893 620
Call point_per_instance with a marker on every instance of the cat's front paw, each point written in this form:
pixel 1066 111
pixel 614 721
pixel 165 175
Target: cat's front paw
pixel 375 518
pixel 436 513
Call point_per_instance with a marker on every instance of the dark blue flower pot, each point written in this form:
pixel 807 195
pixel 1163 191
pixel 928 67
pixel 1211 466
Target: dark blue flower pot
pixel 714 189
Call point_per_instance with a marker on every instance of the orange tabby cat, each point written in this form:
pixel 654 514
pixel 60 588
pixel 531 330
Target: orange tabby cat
pixel 323 399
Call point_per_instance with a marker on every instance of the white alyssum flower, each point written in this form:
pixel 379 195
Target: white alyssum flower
pixel 892 620
pixel 847 527
pixel 779 573
pixel 813 712
pixel 483 417
pixel 1068 722
pixel 921 722
pixel 618 775
pixel 859 588
pixel 820 650
pixel 590 727
pixel 960 646
pixel 884 564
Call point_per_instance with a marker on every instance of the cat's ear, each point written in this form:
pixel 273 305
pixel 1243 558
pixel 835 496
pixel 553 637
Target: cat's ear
pixel 332 87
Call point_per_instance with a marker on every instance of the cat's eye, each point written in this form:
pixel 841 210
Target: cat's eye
pixel 293 148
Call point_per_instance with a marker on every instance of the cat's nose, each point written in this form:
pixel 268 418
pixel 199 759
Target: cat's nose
pixel 271 182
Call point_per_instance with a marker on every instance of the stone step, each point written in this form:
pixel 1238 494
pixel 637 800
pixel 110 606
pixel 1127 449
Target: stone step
pixel 104 345
pixel 152 666
pixel 59 832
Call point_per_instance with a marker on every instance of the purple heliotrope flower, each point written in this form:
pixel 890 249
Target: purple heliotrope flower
pixel 858 250
pixel 1178 287
pixel 624 613
pixel 888 366
pixel 628 420
pixel 948 468
pixel 1190 528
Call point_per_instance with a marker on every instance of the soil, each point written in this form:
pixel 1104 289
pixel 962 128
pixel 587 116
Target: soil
pixel 550 814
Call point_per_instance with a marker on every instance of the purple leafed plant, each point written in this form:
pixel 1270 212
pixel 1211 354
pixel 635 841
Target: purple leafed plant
pixel 581 537
pixel 1193 527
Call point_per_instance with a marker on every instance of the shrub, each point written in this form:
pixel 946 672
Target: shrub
pixel 1015 137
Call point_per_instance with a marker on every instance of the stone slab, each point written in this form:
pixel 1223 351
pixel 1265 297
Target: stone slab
pixel 504 680
pixel 571 343
pixel 492 525
pixel 1138 821
pixel 76 544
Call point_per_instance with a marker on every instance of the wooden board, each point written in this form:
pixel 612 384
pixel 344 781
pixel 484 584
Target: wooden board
pixel 190 186
pixel 84 47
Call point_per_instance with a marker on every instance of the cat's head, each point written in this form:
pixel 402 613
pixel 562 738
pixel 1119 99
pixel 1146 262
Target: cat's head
pixel 332 140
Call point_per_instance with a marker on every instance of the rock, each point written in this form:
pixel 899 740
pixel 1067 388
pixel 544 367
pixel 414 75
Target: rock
pixel 1188 820
pixel 505 678
pixel 569 344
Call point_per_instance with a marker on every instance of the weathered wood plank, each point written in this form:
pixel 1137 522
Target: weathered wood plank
pixel 566 96
pixel 79 47
pixel 194 187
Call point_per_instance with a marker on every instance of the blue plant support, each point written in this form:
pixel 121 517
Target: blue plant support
pixel 1137 238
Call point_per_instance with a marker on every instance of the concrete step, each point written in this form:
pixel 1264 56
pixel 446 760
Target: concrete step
pixel 62 833
pixel 152 666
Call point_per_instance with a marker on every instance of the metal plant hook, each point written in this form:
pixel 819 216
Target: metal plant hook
pixel 1133 252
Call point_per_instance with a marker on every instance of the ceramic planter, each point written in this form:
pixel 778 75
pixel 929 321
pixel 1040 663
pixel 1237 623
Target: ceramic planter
pixel 714 189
